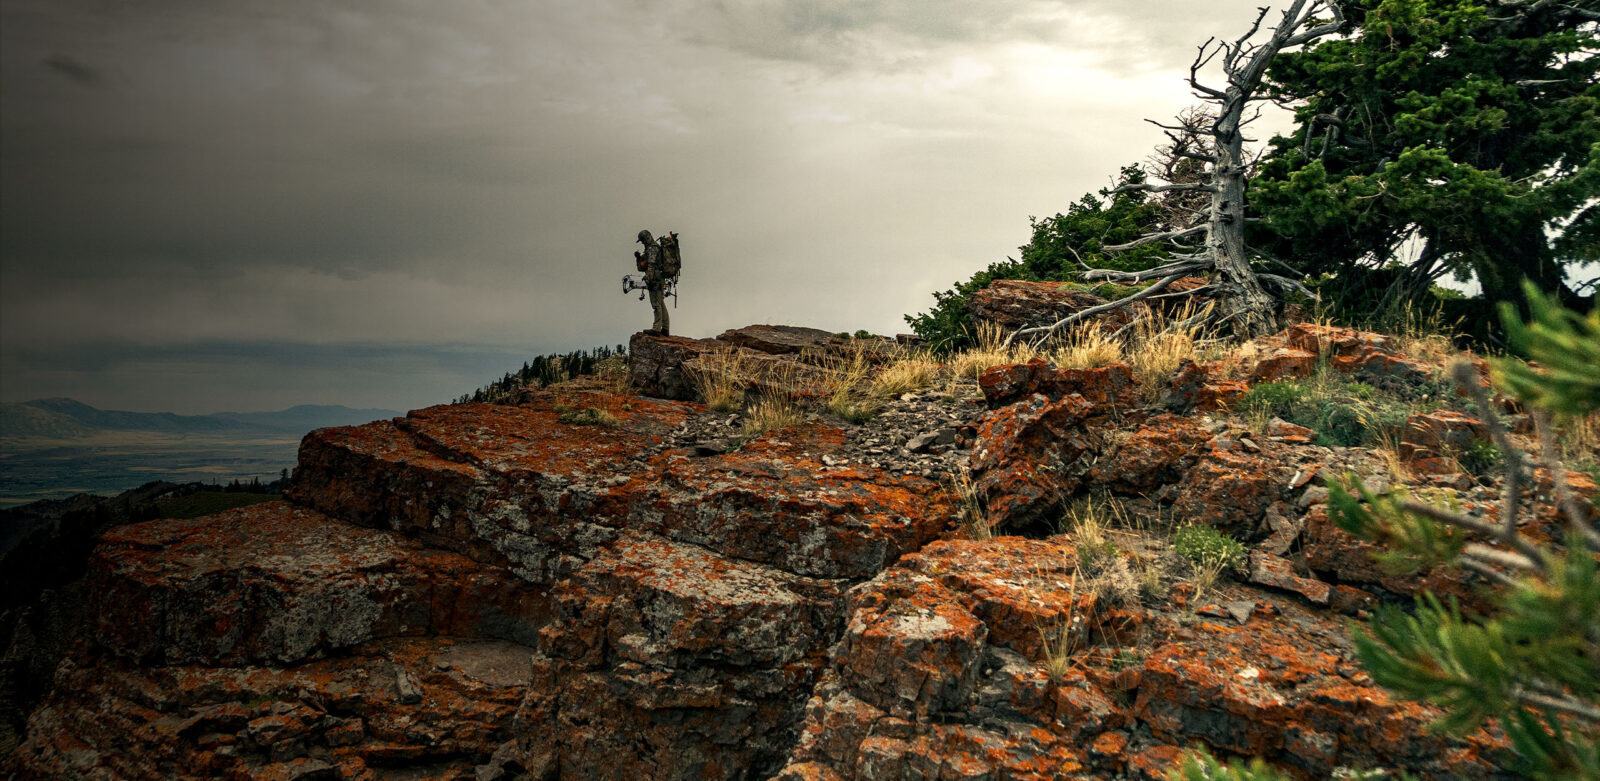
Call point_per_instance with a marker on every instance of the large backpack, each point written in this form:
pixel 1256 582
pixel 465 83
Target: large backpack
pixel 671 261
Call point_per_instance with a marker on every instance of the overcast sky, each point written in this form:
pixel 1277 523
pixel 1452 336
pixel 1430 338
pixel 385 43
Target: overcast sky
pixel 225 205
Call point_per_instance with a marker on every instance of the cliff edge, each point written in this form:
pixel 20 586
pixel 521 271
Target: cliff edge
pixel 607 579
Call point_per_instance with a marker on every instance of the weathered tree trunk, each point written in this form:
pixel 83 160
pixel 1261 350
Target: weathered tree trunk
pixel 1242 301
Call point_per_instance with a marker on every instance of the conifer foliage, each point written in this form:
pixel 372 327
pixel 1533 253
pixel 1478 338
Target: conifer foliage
pixel 1534 664
pixel 546 369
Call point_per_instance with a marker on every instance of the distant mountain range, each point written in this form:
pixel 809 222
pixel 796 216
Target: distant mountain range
pixel 69 419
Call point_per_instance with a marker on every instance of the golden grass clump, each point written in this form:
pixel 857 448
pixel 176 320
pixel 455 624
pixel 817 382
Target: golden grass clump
pixel 1059 644
pixel 912 372
pixel 1159 344
pixel 989 351
pixel 844 383
pixel 1420 332
pixel 771 412
pixel 720 379
pixel 588 416
pixel 1086 346
pixel 1203 576
pixel 970 511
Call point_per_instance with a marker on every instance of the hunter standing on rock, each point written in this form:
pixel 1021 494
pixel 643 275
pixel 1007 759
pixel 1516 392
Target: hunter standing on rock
pixel 660 263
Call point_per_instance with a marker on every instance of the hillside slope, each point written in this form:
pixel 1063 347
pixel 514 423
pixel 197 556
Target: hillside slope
pixel 599 582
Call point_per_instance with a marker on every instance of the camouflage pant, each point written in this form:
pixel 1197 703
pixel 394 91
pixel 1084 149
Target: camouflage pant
pixel 658 302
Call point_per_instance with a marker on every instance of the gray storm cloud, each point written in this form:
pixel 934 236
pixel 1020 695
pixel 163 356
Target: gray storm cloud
pixel 197 195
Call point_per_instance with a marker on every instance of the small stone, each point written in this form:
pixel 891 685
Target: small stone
pixel 407 687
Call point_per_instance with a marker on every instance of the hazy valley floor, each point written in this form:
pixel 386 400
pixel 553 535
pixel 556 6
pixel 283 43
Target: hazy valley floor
pixel 110 462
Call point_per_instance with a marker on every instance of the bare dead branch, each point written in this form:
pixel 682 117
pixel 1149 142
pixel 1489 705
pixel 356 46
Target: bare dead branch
pixel 1488 572
pixel 1288 284
pixel 1563 703
pixel 1467 377
pixel 1155 237
pixel 1203 58
pixel 1314 33
pixel 1084 314
pixel 1161 188
pixel 1441 515
pixel 1499 557
pixel 1130 277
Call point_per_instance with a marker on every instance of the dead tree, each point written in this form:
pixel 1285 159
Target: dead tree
pixel 1242 300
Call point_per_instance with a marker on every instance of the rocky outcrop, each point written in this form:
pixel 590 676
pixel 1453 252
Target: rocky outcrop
pixel 777 339
pixel 656 363
pixel 1028 458
pixel 1016 303
pixel 501 591
pixel 942 673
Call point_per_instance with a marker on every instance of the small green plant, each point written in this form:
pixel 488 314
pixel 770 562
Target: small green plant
pixel 1125 658
pixel 588 416
pixel 1275 398
pixel 863 334
pixel 1480 458
pixel 1199 765
pixel 1203 545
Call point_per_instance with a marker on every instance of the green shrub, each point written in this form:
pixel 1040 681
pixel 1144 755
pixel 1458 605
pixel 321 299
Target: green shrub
pixel 1480 458
pixel 1204 545
pixel 1276 398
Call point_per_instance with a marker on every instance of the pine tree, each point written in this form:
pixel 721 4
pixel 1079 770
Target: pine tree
pixel 1441 136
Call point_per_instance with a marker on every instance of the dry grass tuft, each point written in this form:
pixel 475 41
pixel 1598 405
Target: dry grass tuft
pixel 1204 576
pixel 912 372
pixel 1160 343
pixel 971 513
pixel 1061 641
pixel 771 412
pixel 990 351
pixel 846 378
pixel 1086 346
pixel 720 379
pixel 1059 644
pixel 1152 579
pixel 588 416
pixel 1421 333
pixel 1578 442
pixel 1389 450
